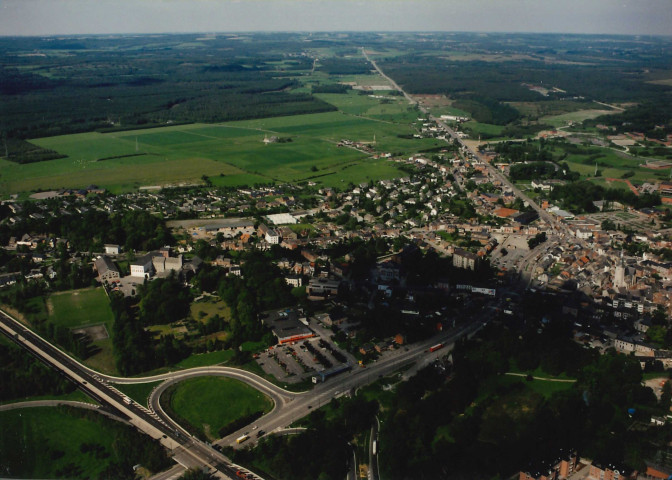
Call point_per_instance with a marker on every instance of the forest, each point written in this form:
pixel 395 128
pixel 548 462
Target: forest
pixel 127 83
pixel 23 375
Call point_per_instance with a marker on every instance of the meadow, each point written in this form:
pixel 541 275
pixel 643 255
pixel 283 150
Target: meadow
pixel 46 443
pixel 231 154
pixel 610 165
pixel 210 403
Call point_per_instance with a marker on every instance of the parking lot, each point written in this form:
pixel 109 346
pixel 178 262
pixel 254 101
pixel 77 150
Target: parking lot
pixel 294 362
pixel 516 247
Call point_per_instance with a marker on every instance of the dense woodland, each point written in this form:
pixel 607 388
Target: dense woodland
pixel 435 428
pixel 22 375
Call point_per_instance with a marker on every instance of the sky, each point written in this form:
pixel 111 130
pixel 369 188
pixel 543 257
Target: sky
pixel 59 17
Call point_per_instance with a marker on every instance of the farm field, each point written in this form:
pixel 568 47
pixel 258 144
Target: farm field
pixel 397 111
pixel 231 154
pixel 476 128
pixel 210 403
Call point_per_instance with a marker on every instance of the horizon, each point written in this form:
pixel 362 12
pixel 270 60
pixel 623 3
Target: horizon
pixel 127 17
pixel 298 32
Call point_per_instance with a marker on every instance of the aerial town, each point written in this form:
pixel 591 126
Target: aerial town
pixel 404 260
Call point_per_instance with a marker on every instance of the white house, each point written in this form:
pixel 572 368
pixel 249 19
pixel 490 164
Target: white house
pixel 142 267
pixel 272 237
pixel 112 249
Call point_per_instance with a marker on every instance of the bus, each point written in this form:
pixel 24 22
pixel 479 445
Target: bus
pixel 436 347
pixel 241 439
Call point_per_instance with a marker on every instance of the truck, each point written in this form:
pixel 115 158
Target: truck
pixel 323 375
pixel 242 438
pixel 127 400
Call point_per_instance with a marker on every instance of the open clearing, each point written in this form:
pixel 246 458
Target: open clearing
pixel 210 403
pixel 574 117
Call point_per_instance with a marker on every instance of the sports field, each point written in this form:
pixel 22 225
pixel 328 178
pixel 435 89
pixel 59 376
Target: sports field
pixel 77 308
pixel 230 154
pixel 90 310
pixel 210 403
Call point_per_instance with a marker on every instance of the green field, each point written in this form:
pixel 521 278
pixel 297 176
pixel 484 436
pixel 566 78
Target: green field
pixel 139 392
pixel 611 165
pixel 210 403
pixel 230 154
pixel 352 103
pixel 475 128
pixel 203 310
pixel 76 396
pixel 81 308
pixel 206 359
pixel 77 308
pixel 45 443
pixel 575 117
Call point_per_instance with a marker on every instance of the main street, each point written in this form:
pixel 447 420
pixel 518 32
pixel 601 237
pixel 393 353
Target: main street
pixel 558 227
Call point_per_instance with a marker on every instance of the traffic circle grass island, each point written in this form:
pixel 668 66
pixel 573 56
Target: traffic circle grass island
pixel 209 406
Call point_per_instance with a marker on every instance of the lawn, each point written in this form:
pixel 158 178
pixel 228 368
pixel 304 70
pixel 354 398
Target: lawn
pixel 78 308
pixel 206 359
pixel 210 403
pixel 545 388
pixel 205 309
pixel 45 443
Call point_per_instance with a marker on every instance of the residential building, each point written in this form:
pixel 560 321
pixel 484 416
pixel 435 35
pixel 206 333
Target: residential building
pixel 107 270
pixel 464 259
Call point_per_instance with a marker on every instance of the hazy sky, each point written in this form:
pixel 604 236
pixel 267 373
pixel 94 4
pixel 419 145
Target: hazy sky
pixel 43 17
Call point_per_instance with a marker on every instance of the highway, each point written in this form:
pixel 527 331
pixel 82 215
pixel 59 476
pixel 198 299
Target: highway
pixel 188 451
